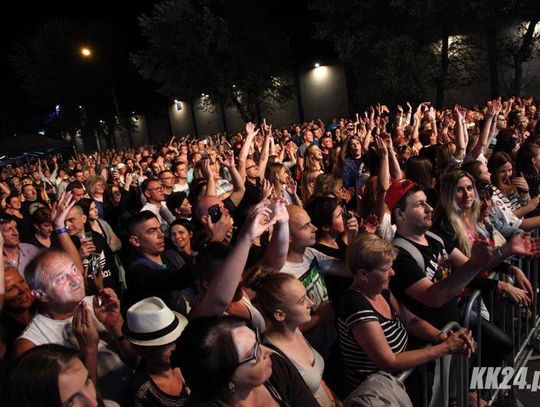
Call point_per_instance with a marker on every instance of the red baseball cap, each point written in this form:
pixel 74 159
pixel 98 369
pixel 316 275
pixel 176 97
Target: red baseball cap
pixel 396 191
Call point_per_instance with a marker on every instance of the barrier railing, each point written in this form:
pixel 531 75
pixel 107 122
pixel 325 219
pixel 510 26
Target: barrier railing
pixel 521 325
pixel 441 387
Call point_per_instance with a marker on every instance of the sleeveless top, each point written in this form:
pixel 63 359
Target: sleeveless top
pixel 255 315
pixel 312 375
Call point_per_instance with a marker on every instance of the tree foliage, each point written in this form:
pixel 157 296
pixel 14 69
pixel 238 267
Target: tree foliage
pixel 235 53
pixel 400 49
pixel 53 73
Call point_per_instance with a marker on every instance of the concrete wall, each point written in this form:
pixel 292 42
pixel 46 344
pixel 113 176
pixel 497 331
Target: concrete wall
pixel 324 95
pixel 283 114
pixel 208 122
pixel 234 120
pixel 139 132
pixel 180 119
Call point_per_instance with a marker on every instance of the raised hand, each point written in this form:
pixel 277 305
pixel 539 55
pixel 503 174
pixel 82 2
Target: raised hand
pixel 84 329
pixel 291 186
pixel 61 208
pixel 380 147
pixel 206 170
pixel 221 229
pixel 369 224
pixel 250 129
pixel 258 221
pixel 107 309
pixel 409 107
pixel 267 190
pixel 227 159
pixel 279 210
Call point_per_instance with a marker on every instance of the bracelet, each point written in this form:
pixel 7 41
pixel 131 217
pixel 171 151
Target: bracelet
pixel 59 231
pixel 119 338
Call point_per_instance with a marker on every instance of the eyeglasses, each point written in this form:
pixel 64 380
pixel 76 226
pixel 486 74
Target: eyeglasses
pixel 167 178
pixel 256 351
pixel 155 189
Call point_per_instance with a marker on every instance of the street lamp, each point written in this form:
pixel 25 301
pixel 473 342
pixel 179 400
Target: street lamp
pixel 87 52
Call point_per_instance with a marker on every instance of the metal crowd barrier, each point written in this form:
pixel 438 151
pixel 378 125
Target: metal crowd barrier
pixel 442 387
pixel 516 322
pixel 513 320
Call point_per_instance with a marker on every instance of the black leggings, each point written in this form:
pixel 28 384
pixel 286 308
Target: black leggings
pixel 495 343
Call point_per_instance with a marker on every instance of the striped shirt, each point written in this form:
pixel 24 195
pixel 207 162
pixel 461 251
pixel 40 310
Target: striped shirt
pixel 356 309
pixel 513 201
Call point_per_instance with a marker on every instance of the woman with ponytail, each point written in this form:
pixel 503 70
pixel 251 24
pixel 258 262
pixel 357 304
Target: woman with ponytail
pixel 283 302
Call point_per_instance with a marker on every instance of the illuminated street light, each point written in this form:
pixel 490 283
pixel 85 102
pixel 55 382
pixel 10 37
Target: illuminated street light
pixel 86 52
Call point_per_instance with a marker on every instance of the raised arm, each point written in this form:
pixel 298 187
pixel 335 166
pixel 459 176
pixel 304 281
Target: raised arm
pixel 223 286
pixel 483 142
pixel 263 160
pixel 276 253
pixel 239 187
pixel 460 135
pixel 433 121
pixel 210 179
pixel 383 179
pixel 59 212
pixel 244 151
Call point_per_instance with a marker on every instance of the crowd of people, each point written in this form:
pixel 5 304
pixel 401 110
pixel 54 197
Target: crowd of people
pixel 290 266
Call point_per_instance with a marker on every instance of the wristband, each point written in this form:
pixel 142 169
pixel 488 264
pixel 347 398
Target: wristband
pixel 59 231
pixel 119 338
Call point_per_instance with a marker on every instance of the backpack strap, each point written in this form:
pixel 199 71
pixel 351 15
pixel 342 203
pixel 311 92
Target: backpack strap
pixel 411 249
pixel 436 237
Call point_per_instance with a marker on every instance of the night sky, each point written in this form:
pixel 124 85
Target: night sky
pixel 19 115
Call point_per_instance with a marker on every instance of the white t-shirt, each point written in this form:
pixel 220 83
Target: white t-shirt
pixel 314 264
pixel 113 373
pixel 310 273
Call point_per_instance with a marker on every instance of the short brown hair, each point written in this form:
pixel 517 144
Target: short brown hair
pixel 369 251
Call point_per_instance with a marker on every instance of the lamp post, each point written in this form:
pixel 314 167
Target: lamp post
pixel 87 53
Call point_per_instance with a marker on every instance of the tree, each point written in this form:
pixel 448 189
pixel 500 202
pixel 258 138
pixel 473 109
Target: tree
pixel 74 94
pixel 232 53
pixel 400 49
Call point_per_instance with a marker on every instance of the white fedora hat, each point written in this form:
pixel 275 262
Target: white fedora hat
pixel 151 323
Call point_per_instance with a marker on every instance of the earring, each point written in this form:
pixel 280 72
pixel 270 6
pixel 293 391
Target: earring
pixel 232 387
